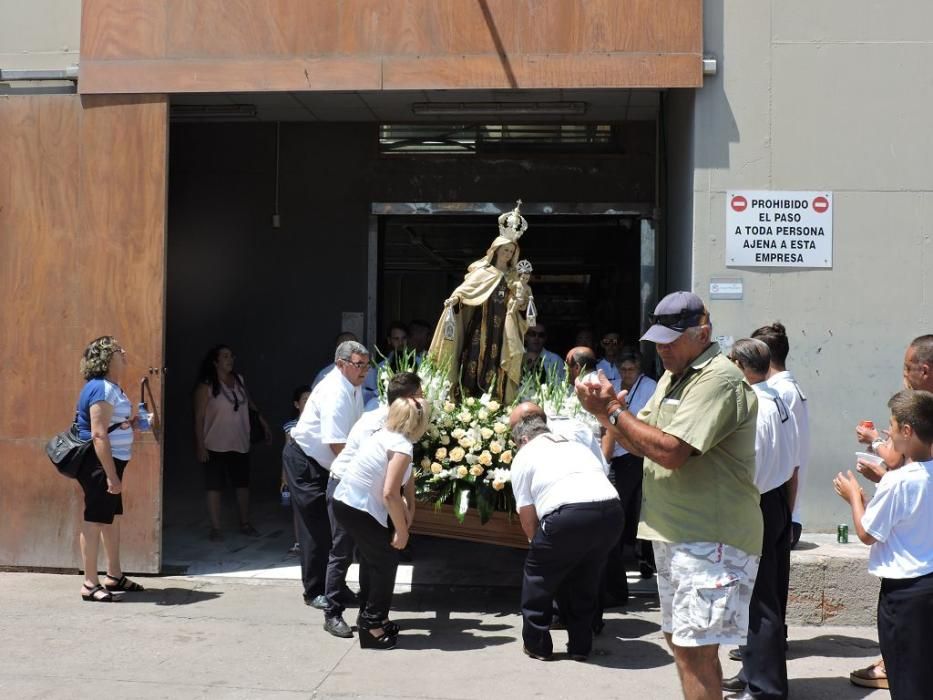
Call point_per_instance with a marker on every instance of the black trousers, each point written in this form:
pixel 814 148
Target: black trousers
pixel 341 556
pixel 565 562
pixel 307 481
pixel 378 563
pixel 625 473
pixel 905 632
pixel 764 665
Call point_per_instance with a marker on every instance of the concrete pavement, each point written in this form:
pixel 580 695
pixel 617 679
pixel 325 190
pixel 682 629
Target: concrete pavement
pixel 195 637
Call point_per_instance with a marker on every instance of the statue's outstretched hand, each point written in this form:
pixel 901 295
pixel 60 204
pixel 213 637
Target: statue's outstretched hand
pixel 453 301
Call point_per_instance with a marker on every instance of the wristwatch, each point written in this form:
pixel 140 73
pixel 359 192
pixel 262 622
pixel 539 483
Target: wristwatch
pixel 614 416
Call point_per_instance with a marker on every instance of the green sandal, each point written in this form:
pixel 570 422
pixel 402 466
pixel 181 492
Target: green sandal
pixel 123 584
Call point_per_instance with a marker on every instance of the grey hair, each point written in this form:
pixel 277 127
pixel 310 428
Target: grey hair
pixel 348 348
pixel 751 354
pixel 529 427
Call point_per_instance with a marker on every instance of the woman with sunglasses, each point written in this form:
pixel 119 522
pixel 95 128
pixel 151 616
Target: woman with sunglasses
pixel 104 416
pixel 368 495
pixel 222 435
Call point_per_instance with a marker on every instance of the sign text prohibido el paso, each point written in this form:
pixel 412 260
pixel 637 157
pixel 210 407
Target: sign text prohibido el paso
pixel 779 229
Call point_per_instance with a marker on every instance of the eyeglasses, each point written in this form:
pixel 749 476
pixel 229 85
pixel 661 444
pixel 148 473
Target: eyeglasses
pixel 358 365
pixel 609 341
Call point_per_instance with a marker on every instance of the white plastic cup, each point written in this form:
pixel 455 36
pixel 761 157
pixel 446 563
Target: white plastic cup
pixel 868 457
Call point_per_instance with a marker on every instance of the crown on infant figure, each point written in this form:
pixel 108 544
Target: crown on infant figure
pixel 524 267
pixel 512 224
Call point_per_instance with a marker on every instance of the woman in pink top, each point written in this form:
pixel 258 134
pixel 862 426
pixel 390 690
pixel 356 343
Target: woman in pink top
pixel 222 434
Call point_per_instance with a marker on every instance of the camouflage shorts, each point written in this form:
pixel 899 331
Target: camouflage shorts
pixel 705 589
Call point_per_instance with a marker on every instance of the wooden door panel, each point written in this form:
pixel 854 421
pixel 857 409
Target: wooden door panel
pixel 82 250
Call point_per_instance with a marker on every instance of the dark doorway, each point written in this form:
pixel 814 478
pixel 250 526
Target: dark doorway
pixel 587 269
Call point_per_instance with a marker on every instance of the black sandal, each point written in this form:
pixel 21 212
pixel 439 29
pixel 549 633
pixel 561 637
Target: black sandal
pixel 92 594
pixel 123 584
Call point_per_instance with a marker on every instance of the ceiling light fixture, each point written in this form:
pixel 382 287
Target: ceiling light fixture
pixel 465 109
pixel 184 113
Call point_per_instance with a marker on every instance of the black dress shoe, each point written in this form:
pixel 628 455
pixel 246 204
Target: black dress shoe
pixel 337 627
pixel 736 654
pixel 318 602
pixel 744 695
pixel 734 684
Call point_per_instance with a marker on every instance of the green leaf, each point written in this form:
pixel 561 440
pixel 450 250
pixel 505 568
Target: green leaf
pixel 484 504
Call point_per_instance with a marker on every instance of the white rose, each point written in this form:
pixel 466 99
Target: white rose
pixel 486 433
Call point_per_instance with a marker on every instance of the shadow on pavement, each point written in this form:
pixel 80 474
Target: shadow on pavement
pixel 169 596
pixel 834 688
pixel 832 645
pixel 629 627
pixel 629 654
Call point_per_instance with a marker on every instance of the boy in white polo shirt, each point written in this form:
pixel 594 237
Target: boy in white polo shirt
pixel 897 523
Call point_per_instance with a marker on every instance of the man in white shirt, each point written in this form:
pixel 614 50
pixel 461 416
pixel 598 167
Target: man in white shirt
pixel 611 344
pixel 764 667
pixel 626 473
pixel 538 358
pixel 401 385
pixel 572 517
pixel 780 378
pixel 567 427
pixel 341 337
pixel 319 436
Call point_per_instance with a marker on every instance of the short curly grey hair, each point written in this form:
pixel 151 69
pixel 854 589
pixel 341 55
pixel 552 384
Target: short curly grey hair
pixel 348 348
pixel 97 356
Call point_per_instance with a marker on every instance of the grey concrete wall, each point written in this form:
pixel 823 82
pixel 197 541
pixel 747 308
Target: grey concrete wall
pixel 39 34
pixel 835 96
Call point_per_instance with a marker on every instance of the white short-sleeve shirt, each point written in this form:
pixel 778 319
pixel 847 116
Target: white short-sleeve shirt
pixel 611 372
pixel 364 477
pixel 552 471
pixel 900 518
pixel 775 440
pixel 794 398
pixel 362 430
pixel 577 430
pixel 331 411
pixel 637 398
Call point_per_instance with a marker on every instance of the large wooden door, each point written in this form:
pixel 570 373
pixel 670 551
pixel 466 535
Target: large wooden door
pixel 82 254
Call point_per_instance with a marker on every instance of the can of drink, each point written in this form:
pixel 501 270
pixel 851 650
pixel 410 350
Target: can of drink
pixel 869 425
pixel 286 496
pixel 842 533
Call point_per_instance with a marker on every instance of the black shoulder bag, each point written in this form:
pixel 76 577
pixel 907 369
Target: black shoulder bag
pixel 67 451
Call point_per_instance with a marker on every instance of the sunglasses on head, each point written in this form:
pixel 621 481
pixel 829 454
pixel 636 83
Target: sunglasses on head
pixel 678 321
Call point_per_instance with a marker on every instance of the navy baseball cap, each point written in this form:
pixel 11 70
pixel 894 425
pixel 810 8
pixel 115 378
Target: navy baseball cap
pixel 674 314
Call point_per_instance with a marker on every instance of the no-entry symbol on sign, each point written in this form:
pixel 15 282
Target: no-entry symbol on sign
pixel 820 204
pixel 739 203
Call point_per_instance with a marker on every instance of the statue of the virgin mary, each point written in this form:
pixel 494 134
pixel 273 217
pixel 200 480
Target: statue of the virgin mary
pixel 481 331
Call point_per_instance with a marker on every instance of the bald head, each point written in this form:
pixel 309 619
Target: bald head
pixel 580 360
pixel 524 410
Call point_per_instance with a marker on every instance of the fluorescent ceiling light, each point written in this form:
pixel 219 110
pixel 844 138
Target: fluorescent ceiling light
pixel 457 109
pixel 215 112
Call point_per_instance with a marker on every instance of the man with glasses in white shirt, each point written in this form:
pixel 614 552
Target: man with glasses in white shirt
pixel 334 406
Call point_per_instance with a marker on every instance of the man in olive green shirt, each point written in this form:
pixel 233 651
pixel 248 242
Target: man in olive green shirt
pixel 701 507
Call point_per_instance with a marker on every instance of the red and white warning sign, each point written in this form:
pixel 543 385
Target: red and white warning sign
pixel 779 229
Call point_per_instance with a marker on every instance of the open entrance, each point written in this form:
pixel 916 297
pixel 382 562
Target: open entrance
pixel 274 243
pixel 594 264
